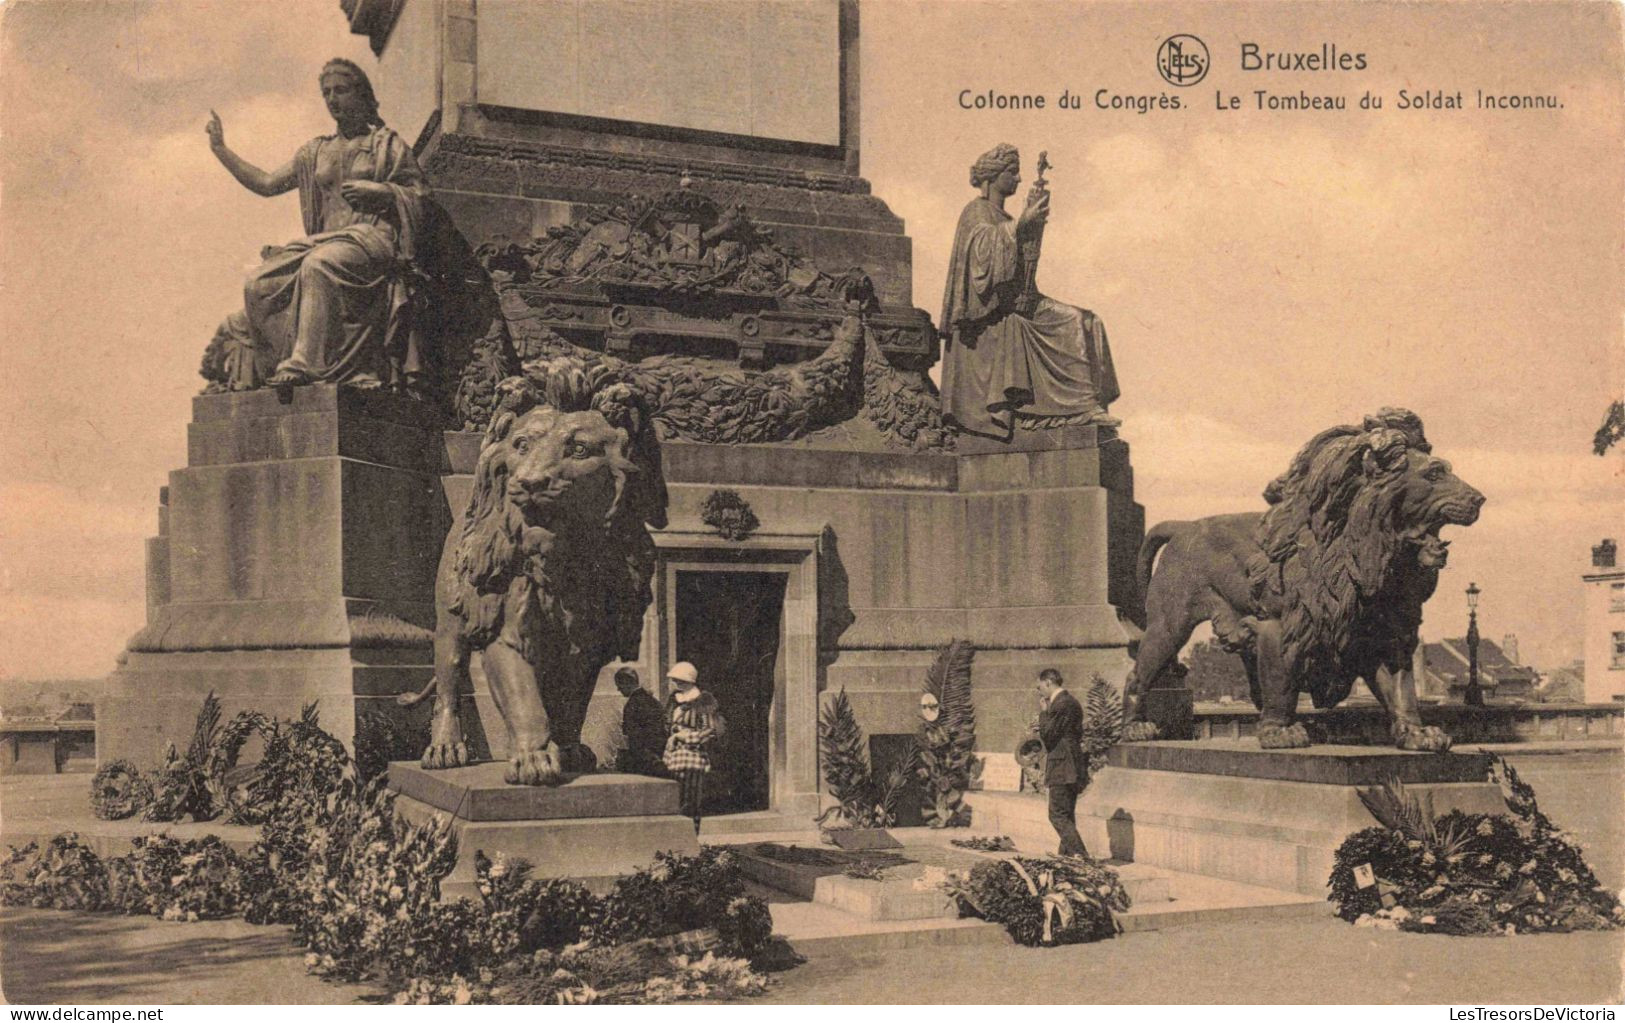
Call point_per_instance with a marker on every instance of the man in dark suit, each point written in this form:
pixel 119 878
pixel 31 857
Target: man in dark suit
pixel 643 723
pixel 1060 728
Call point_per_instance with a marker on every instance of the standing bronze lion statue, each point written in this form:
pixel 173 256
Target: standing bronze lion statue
pixel 1324 588
pixel 546 578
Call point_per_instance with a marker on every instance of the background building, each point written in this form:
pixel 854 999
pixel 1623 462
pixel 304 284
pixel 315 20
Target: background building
pixel 1441 671
pixel 1605 626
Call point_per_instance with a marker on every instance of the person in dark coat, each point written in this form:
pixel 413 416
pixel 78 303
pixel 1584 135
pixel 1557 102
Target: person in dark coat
pixel 1060 728
pixel 643 723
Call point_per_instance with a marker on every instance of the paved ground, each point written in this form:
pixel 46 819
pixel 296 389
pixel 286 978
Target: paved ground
pixel 49 957
pixel 69 958
pixel 56 958
pixel 1320 961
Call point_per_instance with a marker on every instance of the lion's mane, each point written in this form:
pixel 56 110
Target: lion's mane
pixel 1330 565
pixel 580 580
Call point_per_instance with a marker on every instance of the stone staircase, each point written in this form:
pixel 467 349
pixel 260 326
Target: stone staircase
pixel 818 908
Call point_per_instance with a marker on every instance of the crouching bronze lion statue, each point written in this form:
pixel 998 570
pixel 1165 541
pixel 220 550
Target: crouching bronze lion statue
pixel 1324 588
pixel 546 578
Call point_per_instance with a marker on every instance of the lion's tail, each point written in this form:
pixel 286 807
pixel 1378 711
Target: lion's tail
pixel 413 699
pixel 1156 538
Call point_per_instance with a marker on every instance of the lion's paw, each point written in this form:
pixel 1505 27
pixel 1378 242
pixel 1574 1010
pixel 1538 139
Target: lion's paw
pixel 578 758
pixel 535 767
pixel 1239 637
pixel 1292 736
pixel 441 755
pixel 1424 739
pixel 1140 731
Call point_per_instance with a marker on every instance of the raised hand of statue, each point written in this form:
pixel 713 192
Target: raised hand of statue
pixel 1036 211
pixel 216 132
pixel 366 195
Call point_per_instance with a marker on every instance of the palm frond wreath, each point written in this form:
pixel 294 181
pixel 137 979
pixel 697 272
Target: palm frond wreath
pixel 947 763
pixel 861 799
pixel 1102 724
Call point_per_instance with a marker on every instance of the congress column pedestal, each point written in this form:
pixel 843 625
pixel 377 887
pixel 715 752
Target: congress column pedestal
pixel 294 562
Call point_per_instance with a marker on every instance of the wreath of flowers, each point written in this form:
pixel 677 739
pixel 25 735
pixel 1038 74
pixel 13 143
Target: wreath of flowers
pixel 1048 900
pixel 119 790
pixel 1468 873
pixel 730 515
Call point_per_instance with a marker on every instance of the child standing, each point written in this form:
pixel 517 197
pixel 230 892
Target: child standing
pixel 694 723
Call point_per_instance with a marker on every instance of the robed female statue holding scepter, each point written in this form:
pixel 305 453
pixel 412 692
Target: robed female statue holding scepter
pixel 1014 357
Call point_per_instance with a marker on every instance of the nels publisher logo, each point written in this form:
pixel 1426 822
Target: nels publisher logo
pixel 1183 60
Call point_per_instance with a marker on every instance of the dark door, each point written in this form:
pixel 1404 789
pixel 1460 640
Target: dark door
pixel 728 625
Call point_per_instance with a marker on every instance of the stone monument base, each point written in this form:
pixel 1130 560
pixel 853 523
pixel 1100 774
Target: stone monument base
pixel 592 828
pixel 1172 710
pixel 294 564
pixel 1272 818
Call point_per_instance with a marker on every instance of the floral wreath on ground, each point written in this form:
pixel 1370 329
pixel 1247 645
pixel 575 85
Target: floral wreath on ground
pixel 1043 900
pixel 1468 873
pixel 359 886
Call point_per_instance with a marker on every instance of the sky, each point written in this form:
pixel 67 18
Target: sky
pixel 1262 274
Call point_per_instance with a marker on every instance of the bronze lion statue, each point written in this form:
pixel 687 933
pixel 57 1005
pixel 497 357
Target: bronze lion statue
pixel 1324 588
pixel 546 577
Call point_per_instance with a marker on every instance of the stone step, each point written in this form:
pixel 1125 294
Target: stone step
pixel 1022 817
pixel 1272 832
pixel 888 899
pixel 1195 899
pixel 729 827
pixel 898 894
pixel 813 928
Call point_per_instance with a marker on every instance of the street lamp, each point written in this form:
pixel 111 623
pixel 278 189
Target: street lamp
pixel 1474 697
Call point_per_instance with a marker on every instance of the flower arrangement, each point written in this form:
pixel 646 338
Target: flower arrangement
pixel 300 761
pixel 945 761
pixel 685 893
pixel 161 876
pixel 861 799
pixel 370 877
pixel 198 784
pixel 65 874
pixel 638 975
pixel 729 514
pixel 199 879
pixel 302 765
pixel 119 790
pixel 1050 900
pixel 360 886
pixel 1467 873
pixel 1102 725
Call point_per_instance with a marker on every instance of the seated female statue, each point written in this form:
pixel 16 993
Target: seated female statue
pixel 332 306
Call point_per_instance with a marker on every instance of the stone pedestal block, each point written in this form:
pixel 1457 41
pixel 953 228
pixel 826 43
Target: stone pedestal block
pixel 1172 711
pixel 1266 817
pixel 479 793
pixel 295 564
pixel 594 827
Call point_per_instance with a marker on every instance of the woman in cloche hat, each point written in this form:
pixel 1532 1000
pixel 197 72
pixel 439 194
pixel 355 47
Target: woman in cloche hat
pixel 694 722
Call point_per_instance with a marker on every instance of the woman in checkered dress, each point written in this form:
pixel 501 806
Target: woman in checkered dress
pixel 694 723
